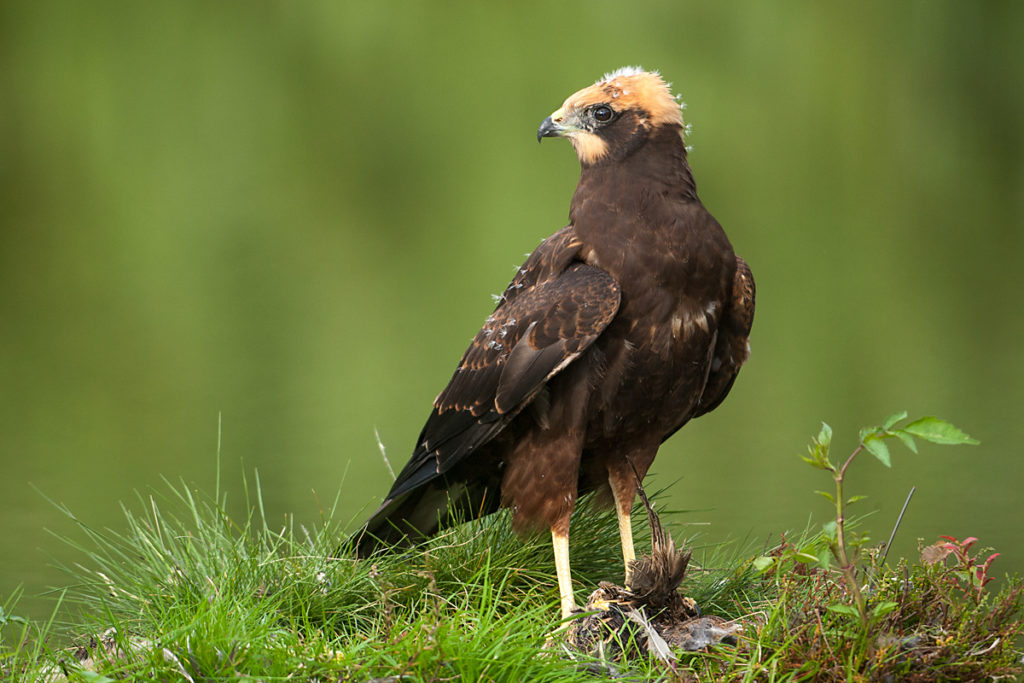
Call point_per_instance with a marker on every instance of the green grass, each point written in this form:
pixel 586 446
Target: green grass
pixel 188 593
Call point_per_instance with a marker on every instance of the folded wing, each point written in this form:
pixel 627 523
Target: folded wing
pixel 550 314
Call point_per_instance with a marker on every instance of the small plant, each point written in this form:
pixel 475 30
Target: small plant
pixel 971 574
pixel 837 612
pixel 873 440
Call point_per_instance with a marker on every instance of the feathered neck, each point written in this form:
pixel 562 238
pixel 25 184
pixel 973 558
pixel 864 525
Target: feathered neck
pixel 656 167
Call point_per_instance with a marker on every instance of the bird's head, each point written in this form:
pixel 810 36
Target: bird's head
pixel 613 117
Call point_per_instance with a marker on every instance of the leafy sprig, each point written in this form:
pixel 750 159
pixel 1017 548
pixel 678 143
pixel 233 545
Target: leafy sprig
pixel 872 440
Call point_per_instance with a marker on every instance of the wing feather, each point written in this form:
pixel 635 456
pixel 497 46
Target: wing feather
pixel 732 347
pixel 548 316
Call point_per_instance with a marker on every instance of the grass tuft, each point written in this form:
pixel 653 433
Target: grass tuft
pixel 186 592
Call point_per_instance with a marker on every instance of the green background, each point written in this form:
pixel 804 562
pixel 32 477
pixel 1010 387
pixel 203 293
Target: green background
pixel 294 215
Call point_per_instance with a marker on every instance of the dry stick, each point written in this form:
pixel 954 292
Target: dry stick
pixel 824 638
pixel 897 526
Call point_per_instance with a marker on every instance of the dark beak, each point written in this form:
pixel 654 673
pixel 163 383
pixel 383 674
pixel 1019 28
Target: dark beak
pixel 548 129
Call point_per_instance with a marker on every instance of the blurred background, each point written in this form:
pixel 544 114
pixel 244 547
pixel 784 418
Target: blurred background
pixel 294 215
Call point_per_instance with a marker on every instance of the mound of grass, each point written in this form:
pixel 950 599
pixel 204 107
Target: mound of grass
pixel 188 593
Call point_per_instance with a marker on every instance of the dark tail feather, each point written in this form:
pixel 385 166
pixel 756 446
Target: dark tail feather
pixel 402 521
pixel 414 516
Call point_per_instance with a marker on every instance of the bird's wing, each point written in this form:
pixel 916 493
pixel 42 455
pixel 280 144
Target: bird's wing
pixel 732 347
pixel 547 317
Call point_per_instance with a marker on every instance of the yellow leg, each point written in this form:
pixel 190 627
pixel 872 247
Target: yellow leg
pixel 622 511
pixel 561 543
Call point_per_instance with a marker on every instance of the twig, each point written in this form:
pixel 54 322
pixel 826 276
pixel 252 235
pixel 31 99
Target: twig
pixel 821 629
pixel 899 519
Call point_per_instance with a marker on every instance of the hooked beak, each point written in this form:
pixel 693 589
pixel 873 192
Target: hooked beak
pixel 560 124
pixel 549 129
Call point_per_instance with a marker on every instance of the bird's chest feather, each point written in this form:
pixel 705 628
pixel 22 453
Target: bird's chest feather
pixel 664 351
pixel 657 352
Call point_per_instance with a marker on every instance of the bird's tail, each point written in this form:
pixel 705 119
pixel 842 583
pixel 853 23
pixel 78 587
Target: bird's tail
pixel 413 516
pixel 400 522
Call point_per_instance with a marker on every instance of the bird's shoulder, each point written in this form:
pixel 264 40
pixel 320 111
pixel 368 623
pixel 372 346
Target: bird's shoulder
pixel 555 306
pixel 547 261
pixel 551 312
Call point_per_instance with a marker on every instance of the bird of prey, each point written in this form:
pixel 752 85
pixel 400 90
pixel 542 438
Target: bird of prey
pixel 616 331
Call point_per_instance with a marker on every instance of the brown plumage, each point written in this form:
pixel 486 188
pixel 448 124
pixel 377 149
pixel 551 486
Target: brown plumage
pixel 617 330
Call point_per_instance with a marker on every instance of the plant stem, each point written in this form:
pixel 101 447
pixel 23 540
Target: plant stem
pixel 846 566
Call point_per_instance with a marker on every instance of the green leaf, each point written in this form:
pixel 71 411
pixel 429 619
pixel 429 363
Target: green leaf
pixel 825 438
pixel 883 608
pixel 762 563
pixel 826 494
pixel 10 618
pixel 825 558
pixel 938 431
pixel 854 499
pixel 877 448
pixel 893 419
pixel 907 439
pixel 819 449
pixel 829 528
pixel 814 461
pixel 805 556
pixel 848 610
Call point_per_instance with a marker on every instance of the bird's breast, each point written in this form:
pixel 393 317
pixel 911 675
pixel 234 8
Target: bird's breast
pixel 673 266
pixel 656 359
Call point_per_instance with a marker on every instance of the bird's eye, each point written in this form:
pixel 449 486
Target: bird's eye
pixel 602 113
